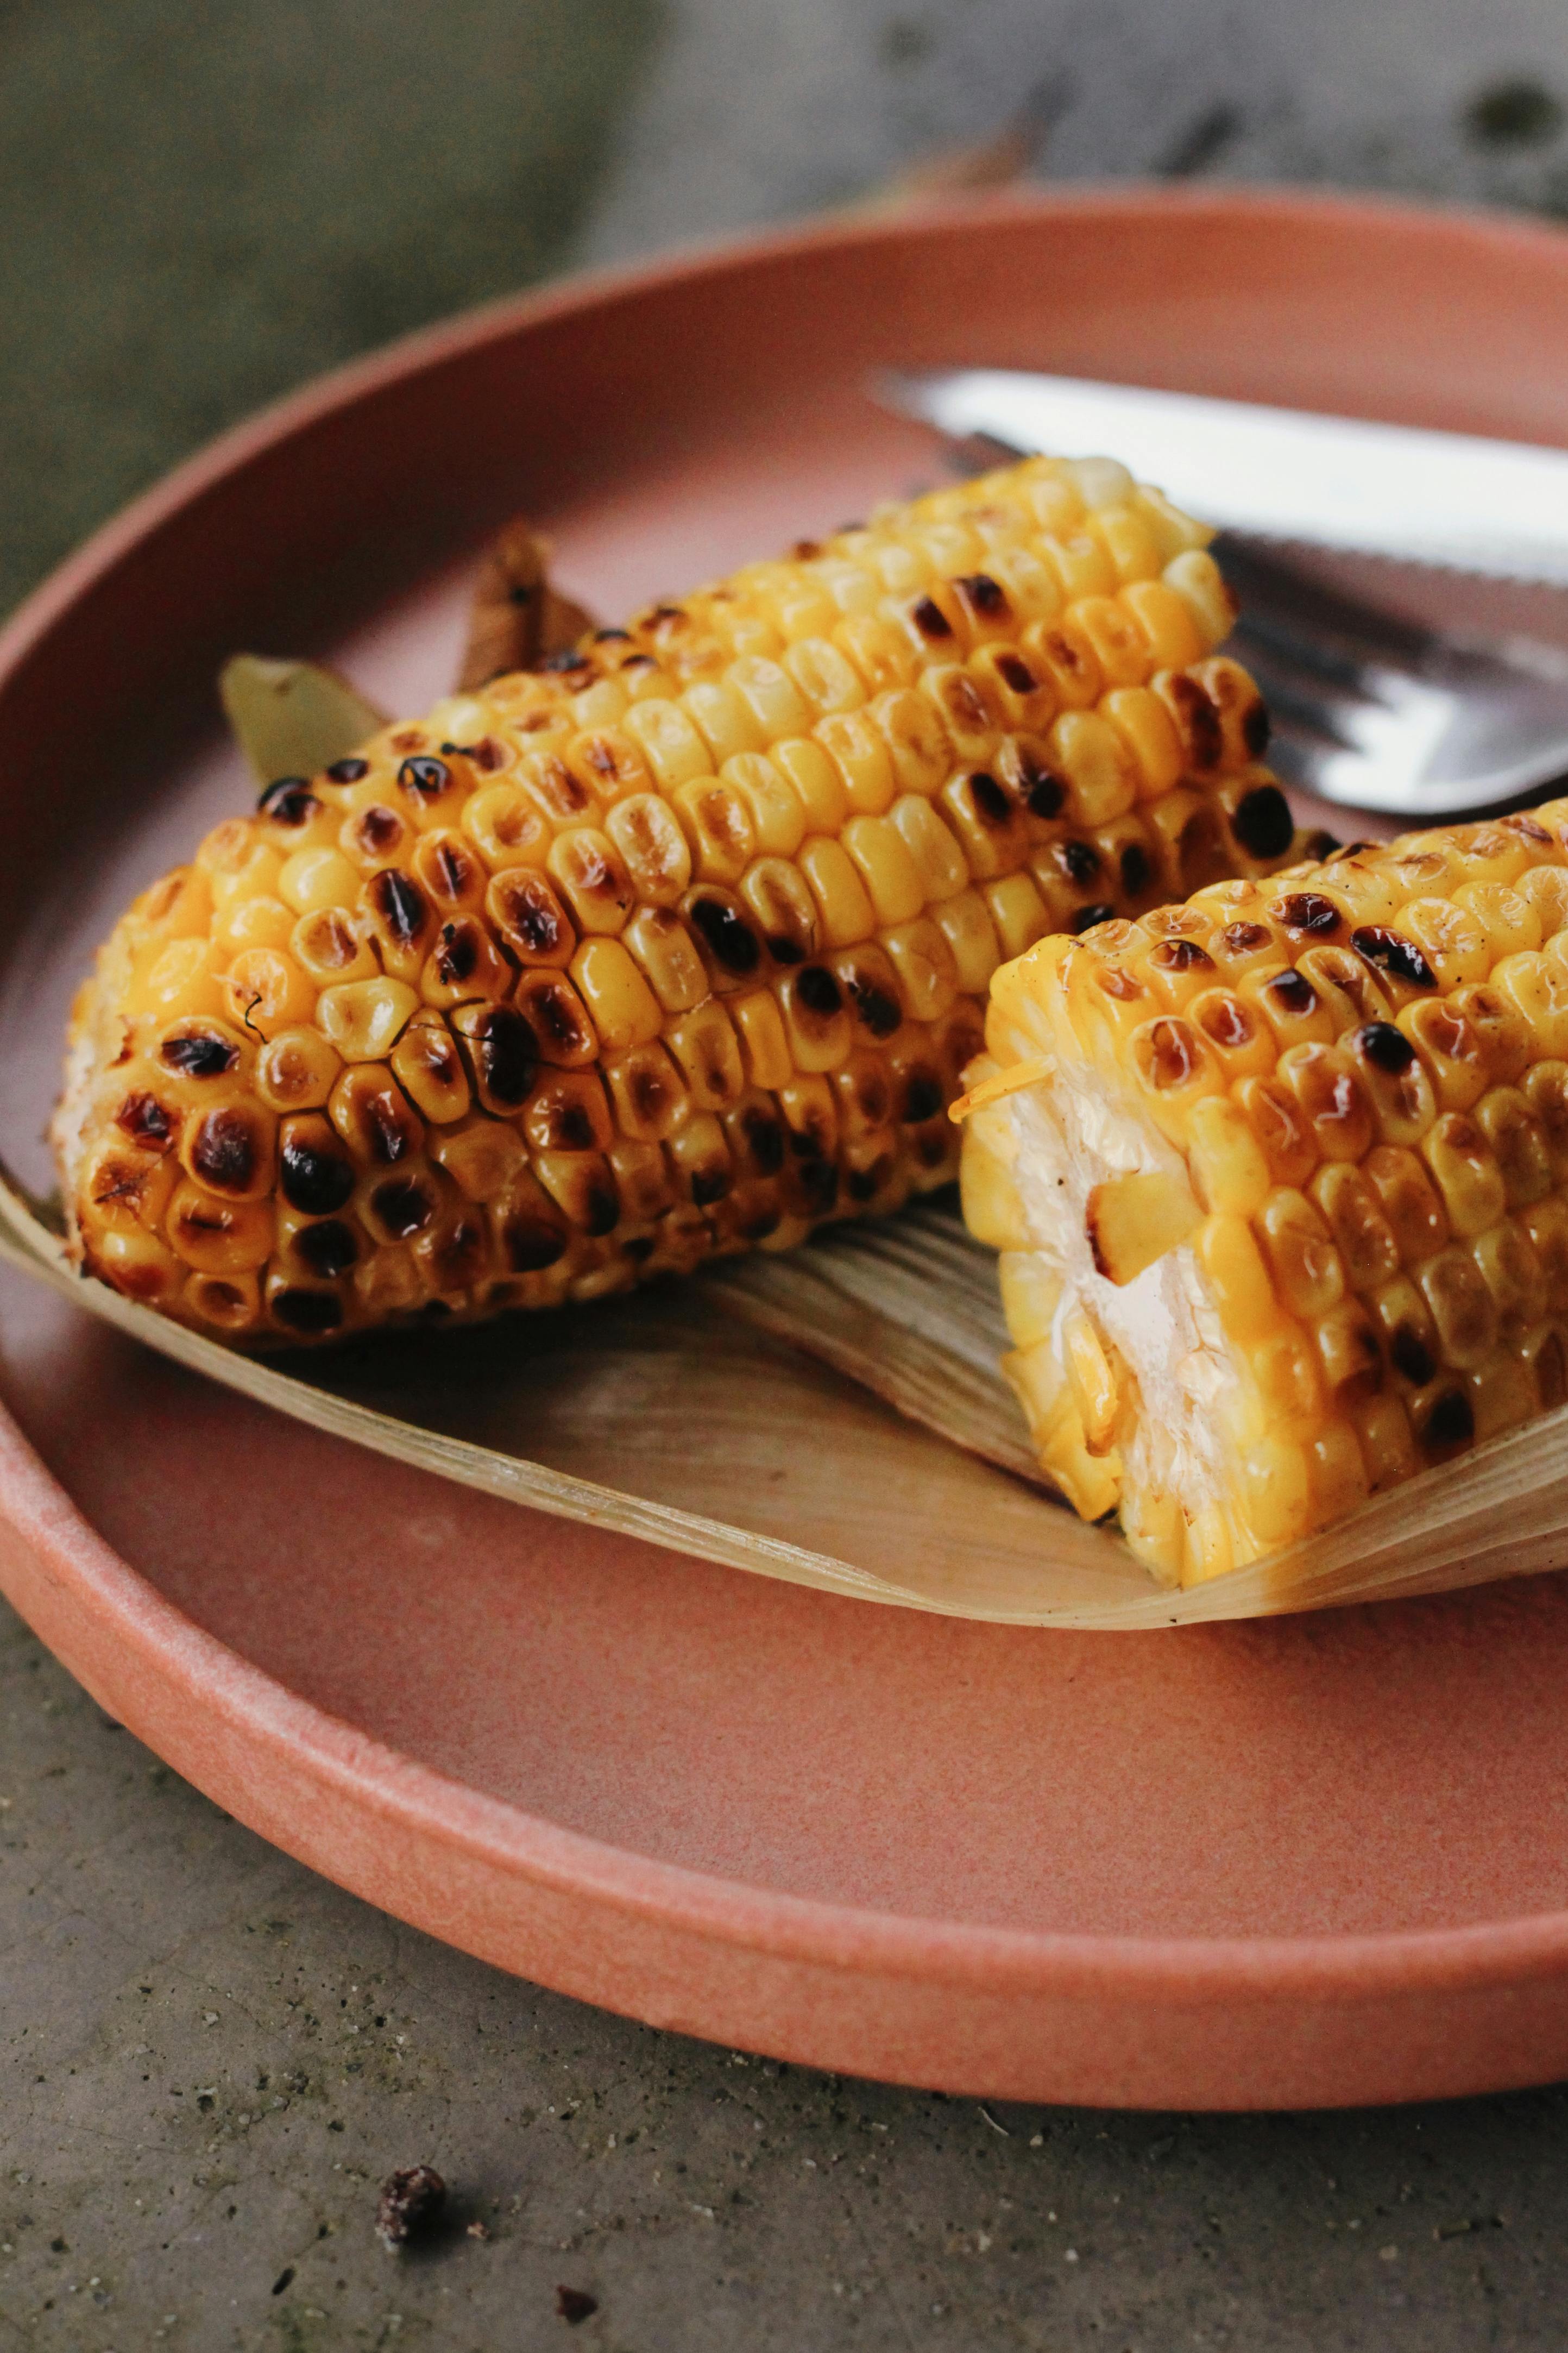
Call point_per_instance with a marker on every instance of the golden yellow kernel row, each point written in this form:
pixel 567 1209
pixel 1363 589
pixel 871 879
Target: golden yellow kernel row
pixel 672 947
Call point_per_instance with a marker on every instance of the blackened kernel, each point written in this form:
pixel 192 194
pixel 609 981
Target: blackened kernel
pixel 457 954
pixel 638 1248
pixel 531 1245
pixel 146 1120
pixel 730 938
pixel 425 776
pixel 1137 870
pixel 1452 1420
pixel 223 1152
pixel 612 636
pixel 818 991
pixel 601 1210
pixel 1386 1048
pixel 983 595
pixel 403 1207
pixel 329 1248
pixel 400 903
pixel 309 1313
pixel 315 1183
pixel 1086 918
pixel 930 619
pixel 923 1097
pixel 289 801
pixel 377 830
pixel 1243 939
pixel 1526 827
pixel 1180 955
pixel 711 1184
pixel 1262 822
pixel 198 1054
pixel 765 1141
pixel 1228 1022
pixel 819 1182
pixel 1292 992
pixel 990 800
pixel 1201 723
pixel 1015 671
pixel 1310 912
pixel 1080 860
pixel 784 950
pixel 348 771
pixel 879 1012
pixel 508 1055
pixel 1256 729
pixel 568 658
pixel 1394 953
pixel 1412 1357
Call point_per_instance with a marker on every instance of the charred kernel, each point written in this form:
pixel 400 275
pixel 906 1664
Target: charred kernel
pixel 314 1180
pixel 817 1181
pixel 1256 729
pixel 401 905
pixel 984 596
pixel 1292 992
pixel 1081 861
pixel 1180 955
pixel 348 771
pixel 329 1248
pixel 765 1141
pixel 1036 784
pixel 1385 1047
pixel 425 777
pixel 376 830
pixel 1166 1054
pixel 309 1313
pixel 457 954
pixel 530 1245
pixel 403 1207
pixel 1243 939
pixel 1015 671
pixel 1262 822
pixel 1228 1022
pixel 146 1120
pixel 289 801
pixel 818 991
pixel 568 658
pixel 1310 912
pixel 923 1097
pixel 1527 828
pixel 1412 1357
pixel 711 1184
pixel 1086 918
pixel 1137 870
pixel 198 1054
pixel 930 619
pixel 730 940
pixel 880 1013
pixel 1394 954
pixel 507 1054
pixel 224 1151
pixel 990 800
pixel 1451 1422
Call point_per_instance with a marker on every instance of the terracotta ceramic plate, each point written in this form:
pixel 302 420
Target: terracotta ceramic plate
pixel 1293 1862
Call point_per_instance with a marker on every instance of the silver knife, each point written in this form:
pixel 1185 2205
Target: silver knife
pixel 1496 507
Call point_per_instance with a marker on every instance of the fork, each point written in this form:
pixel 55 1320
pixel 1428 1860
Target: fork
pixel 1373 712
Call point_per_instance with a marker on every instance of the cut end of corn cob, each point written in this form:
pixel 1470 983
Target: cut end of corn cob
pixel 675 945
pixel 1280 1179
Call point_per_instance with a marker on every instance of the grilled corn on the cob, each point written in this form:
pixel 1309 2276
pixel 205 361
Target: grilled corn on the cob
pixel 1281 1182
pixel 675 945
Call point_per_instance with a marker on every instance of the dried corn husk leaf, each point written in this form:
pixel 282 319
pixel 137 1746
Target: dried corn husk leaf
pixel 518 618
pixel 292 718
pixel 664 1418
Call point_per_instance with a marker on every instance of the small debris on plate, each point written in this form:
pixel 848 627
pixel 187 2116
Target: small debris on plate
pixel 411 2203
pixel 574 2304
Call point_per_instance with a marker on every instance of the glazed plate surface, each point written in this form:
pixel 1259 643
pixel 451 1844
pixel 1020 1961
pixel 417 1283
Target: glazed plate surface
pixel 1293 1862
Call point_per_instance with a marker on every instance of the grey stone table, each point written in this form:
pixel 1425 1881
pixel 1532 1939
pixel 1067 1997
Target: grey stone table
pixel 211 2058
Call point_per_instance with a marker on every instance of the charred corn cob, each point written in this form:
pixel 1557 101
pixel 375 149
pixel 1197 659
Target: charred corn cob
pixel 675 945
pixel 1279 1178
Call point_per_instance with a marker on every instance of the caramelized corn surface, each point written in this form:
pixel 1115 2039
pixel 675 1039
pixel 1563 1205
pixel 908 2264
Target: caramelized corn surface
pixel 674 946
pixel 1280 1181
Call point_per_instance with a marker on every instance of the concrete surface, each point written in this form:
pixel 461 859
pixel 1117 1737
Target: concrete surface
pixel 211 2058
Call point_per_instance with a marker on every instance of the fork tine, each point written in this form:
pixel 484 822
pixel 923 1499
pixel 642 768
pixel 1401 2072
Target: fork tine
pixel 1275 592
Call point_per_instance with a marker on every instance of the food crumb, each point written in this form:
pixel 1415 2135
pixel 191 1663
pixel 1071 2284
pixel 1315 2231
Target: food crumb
pixel 411 2201
pixel 574 2304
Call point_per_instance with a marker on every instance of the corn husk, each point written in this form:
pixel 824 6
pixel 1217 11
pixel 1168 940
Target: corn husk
pixel 738 1416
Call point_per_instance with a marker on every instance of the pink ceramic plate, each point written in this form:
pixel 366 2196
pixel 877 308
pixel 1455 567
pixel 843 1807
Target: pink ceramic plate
pixel 1293 1862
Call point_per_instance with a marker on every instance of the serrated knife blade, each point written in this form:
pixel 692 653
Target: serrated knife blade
pixel 1494 507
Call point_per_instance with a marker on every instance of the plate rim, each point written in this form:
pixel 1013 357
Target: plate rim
pixel 165 1650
